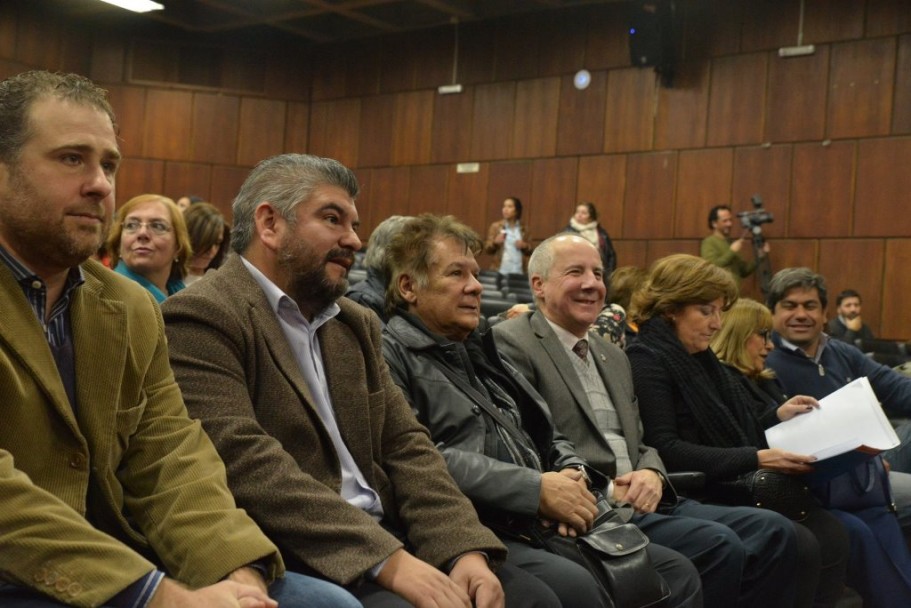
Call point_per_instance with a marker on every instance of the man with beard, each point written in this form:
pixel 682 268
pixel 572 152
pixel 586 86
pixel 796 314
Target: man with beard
pixel 721 250
pixel 321 447
pixel 848 326
pixel 107 488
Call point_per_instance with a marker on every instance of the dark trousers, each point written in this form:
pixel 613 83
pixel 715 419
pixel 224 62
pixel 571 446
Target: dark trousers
pixel 745 556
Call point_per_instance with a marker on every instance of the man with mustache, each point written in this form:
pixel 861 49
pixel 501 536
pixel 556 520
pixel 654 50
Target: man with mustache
pixel 110 495
pixel 321 448
pixel 722 250
pixel 848 326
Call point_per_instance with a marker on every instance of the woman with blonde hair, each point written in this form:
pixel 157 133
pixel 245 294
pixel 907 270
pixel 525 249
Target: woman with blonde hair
pixel 149 244
pixel 879 565
pixel 701 419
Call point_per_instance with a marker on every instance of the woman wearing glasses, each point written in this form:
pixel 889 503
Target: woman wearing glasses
pixel 150 244
pixel 700 418
pixel 878 566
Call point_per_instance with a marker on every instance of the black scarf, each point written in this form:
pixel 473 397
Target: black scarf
pixel 721 407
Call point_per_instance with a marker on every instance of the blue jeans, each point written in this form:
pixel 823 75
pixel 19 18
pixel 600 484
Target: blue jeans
pixel 292 591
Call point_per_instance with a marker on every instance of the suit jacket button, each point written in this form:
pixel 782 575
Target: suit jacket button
pixel 62 584
pixel 74 589
pixel 41 575
pixel 476 410
pixel 77 460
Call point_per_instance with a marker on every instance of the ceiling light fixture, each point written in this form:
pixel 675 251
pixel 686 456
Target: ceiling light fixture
pixel 137 6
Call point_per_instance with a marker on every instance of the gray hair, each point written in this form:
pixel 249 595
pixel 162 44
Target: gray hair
pixel 379 240
pixel 285 181
pixel 542 258
pixel 788 278
pixel 18 94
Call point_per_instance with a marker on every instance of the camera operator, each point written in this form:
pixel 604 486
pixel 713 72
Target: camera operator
pixel 722 250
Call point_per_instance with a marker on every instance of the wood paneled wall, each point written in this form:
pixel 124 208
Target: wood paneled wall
pixel 825 139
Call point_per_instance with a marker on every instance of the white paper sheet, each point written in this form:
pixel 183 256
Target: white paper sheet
pixel 848 419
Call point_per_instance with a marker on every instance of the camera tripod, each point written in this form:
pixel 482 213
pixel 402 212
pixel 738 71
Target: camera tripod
pixel 763 264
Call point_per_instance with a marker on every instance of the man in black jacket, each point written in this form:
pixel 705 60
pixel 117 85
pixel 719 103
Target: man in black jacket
pixel 494 430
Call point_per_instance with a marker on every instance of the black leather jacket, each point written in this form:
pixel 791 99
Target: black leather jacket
pixel 458 424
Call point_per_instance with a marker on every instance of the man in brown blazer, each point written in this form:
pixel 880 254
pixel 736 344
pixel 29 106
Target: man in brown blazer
pixel 105 483
pixel 289 380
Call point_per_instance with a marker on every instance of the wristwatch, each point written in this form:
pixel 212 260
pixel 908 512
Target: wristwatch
pixel 581 469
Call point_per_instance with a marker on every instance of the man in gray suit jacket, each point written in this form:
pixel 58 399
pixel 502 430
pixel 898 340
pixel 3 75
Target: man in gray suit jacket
pixel 589 388
pixel 322 449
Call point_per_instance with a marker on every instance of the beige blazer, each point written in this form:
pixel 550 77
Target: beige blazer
pixel 162 491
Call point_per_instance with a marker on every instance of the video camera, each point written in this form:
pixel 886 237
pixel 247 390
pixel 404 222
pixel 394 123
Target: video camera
pixel 753 220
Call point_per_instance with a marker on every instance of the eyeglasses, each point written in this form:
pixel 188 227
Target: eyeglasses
pixel 765 334
pixel 158 227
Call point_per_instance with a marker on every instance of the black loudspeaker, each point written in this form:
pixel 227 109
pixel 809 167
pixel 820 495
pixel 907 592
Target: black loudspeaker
pixel 652 36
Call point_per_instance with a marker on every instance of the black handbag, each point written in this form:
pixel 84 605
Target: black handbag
pixel 768 489
pixel 614 552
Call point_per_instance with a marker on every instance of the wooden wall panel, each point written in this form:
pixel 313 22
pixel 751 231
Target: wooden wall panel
pixel 432 52
pixel 215 127
pixel 765 171
pixel 107 60
pixel 881 203
pixel 288 73
pixel 659 248
pixel 788 253
pixel 737 99
pixel 897 284
pixel 535 119
pixel 376 131
pixel 607 44
pixel 860 88
pixel 553 188
pixel 561 50
pixel 297 126
pixel 854 264
pixel 329 72
pixel 512 179
pixel 136 176
pixel 821 190
pixel 476 52
pixel 797 91
pixel 703 181
pixel 648 211
pixel 429 186
pixel 226 183
pixel 629 114
pixel 9 20
pixel 168 123
pixel 39 40
pixel 362 76
pixel 769 25
pixel 129 105
pixel 631 253
pixel 262 130
pixel 888 17
pixel 412 127
pixel 901 114
pixel 580 127
pixel 832 20
pixel 602 181
pixel 335 129
pixel 683 109
pixel 453 116
pixel 398 68
pixel 384 192
pixel 713 28
pixel 516 48
pixel 187 178
pixel 466 198
pixel 494 108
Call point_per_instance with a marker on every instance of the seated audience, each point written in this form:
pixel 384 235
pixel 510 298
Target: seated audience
pixel 188 200
pixel 371 292
pixel 149 244
pixel 741 552
pixel 621 285
pixel 321 448
pixel 584 222
pixel 879 566
pixel 701 419
pixel 507 239
pixel 110 495
pixel 494 430
pixel 848 326
pixel 210 237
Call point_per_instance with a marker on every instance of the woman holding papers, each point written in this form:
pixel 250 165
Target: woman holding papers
pixel 879 567
pixel 701 418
